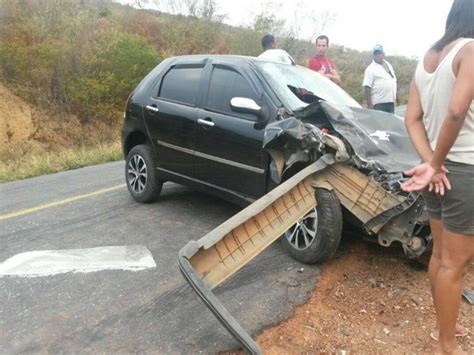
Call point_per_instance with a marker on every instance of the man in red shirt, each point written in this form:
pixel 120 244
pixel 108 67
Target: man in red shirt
pixel 322 64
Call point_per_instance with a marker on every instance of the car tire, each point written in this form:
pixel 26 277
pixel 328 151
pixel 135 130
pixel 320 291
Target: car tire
pixel 316 236
pixel 141 176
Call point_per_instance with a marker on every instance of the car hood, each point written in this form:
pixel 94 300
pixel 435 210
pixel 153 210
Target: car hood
pixel 379 139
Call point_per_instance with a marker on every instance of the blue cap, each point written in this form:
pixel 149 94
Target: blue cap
pixel 377 48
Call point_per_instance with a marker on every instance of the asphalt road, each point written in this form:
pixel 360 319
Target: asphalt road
pixel 153 310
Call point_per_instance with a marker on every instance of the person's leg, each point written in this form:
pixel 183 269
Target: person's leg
pixel 385 107
pixel 435 259
pixel 390 107
pixel 457 215
pixel 456 252
pixel 433 268
pixel 433 206
pixel 379 107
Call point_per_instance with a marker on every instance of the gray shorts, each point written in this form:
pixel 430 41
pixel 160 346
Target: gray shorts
pixel 456 208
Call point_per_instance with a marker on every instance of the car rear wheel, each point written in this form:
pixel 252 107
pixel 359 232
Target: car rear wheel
pixel 316 236
pixel 141 175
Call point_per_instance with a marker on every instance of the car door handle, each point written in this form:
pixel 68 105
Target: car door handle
pixel 206 122
pixel 153 108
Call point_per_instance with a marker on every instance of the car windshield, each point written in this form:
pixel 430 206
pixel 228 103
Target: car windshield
pixel 298 86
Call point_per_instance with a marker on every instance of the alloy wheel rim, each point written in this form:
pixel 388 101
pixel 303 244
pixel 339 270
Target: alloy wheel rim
pixel 303 233
pixel 137 173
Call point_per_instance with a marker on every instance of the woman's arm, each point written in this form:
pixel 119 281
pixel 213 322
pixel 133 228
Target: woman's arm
pixel 417 132
pixel 433 172
pixel 414 124
pixel 461 100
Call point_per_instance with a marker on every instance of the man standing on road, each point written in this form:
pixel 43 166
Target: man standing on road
pixel 273 54
pixel 380 83
pixel 322 64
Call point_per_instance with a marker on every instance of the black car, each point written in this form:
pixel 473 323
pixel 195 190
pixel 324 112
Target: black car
pixel 237 127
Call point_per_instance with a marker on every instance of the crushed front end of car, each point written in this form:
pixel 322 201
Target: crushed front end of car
pixel 380 149
pixel 359 155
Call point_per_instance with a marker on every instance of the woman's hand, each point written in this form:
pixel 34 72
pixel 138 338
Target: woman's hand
pixel 425 175
pixel 440 182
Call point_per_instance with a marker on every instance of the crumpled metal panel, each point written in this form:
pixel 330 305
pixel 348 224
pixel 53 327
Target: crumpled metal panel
pixel 289 141
pixel 292 132
pixel 379 140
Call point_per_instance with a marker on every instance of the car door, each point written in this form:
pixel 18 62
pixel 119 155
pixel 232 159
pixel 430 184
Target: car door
pixel 228 149
pixel 171 113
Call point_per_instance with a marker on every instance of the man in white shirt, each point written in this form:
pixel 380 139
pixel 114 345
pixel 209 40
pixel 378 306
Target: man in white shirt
pixel 380 83
pixel 272 54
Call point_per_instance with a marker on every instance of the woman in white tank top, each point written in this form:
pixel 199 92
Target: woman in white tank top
pixel 440 122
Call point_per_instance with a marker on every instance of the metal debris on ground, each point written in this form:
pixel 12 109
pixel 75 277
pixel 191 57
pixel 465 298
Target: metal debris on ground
pixel 469 296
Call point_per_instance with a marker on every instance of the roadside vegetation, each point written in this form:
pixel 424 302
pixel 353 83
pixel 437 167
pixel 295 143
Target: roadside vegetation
pixel 81 59
pixel 53 162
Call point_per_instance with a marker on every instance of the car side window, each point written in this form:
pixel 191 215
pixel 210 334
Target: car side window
pixel 181 84
pixel 226 84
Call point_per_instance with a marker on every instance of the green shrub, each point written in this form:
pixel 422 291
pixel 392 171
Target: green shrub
pixel 108 74
pixel 13 60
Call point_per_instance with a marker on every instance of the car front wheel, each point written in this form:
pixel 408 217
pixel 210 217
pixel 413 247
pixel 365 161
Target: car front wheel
pixel 316 236
pixel 141 175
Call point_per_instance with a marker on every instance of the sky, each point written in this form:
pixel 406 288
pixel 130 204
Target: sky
pixel 403 27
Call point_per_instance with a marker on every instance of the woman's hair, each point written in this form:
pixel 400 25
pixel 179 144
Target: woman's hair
pixel 460 23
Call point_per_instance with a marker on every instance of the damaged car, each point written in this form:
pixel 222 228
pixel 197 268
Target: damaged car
pixel 238 127
pixel 282 140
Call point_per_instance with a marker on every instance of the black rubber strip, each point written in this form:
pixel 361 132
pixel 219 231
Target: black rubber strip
pixel 387 215
pixel 221 313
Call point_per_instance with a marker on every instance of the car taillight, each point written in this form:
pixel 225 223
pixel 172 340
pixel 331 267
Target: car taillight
pixel 126 104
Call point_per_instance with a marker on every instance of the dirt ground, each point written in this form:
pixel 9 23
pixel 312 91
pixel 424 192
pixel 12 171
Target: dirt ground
pixel 368 299
pixel 16 123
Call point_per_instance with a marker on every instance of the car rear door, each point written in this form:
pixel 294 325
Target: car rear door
pixel 228 150
pixel 171 113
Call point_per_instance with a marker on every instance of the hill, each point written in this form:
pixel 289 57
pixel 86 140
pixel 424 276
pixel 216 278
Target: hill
pixel 77 61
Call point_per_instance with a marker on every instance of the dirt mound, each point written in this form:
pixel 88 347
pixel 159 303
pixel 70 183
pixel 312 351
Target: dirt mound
pixel 26 129
pixel 16 122
pixel 368 300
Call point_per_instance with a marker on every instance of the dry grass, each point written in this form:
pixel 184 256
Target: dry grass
pixel 36 141
pixel 19 166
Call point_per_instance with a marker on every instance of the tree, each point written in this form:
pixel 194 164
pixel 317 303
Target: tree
pixel 288 30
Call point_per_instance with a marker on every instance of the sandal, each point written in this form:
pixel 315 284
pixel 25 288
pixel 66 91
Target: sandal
pixel 434 334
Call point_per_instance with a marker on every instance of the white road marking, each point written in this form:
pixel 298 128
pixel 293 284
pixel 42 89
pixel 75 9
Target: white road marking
pixel 52 262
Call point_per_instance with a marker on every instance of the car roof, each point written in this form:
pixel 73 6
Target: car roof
pixel 220 57
pixel 233 60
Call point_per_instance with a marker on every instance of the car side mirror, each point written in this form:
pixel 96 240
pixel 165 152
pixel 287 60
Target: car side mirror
pixel 246 105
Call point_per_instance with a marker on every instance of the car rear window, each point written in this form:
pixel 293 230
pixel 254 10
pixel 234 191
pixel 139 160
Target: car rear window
pixel 181 84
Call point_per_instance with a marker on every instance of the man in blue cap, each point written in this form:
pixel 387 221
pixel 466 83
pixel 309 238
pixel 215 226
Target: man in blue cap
pixel 380 83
